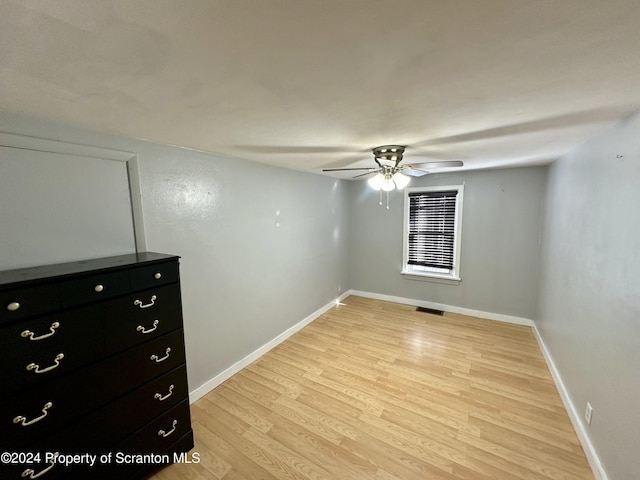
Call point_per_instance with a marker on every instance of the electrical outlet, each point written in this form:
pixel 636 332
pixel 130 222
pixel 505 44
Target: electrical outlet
pixel 588 413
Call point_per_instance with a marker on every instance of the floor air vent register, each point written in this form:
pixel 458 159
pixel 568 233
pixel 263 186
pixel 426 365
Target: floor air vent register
pixel 432 311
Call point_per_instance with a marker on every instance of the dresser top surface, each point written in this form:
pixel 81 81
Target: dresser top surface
pixel 35 274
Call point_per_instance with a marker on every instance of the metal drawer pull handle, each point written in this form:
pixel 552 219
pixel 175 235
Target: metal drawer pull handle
pixel 159 396
pixel 99 288
pixel 173 429
pixel 23 420
pixel 56 363
pixel 28 473
pixel 30 334
pixel 141 305
pixel 13 306
pixel 157 276
pixel 158 359
pixel 141 329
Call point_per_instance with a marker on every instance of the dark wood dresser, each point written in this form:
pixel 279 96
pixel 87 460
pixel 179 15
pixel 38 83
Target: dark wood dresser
pixel 92 363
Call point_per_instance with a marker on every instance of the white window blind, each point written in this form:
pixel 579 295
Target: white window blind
pixel 432 228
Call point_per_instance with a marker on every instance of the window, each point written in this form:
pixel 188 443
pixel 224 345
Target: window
pixel 433 219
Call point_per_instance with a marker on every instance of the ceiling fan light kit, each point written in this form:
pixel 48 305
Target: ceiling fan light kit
pixel 388 181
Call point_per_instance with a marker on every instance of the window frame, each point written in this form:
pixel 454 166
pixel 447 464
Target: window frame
pixel 453 277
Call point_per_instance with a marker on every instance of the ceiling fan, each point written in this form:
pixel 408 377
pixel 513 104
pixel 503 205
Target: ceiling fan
pixel 389 173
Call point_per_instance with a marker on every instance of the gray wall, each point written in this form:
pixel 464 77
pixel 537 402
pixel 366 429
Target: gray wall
pixel 500 242
pixel 244 280
pixel 589 303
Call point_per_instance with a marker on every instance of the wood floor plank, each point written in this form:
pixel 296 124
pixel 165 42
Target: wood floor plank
pixel 284 462
pixel 318 422
pixel 345 393
pixel 375 390
pixel 336 460
pixel 393 459
pixel 274 380
pixel 241 466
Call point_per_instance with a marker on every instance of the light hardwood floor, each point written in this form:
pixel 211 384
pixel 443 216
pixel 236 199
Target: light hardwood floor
pixel 376 390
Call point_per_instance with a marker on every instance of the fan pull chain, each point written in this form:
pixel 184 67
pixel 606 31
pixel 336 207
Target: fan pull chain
pixel 380 202
pixel 387 200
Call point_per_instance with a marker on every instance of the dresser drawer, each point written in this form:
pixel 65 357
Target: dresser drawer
pixel 19 303
pixel 131 368
pixel 92 288
pixel 42 410
pixel 151 399
pixel 138 317
pixel 151 276
pixel 45 348
pixel 161 433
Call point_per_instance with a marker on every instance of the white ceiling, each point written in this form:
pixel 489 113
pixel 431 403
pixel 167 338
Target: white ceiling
pixel 312 84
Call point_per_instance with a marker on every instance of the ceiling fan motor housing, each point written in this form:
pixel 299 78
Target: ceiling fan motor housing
pixel 391 153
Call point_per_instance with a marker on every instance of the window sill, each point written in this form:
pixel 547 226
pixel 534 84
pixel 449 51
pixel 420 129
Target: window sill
pixel 432 277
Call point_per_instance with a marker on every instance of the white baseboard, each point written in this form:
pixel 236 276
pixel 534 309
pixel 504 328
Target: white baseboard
pixel 202 390
pixel 574 416
pixel 446 308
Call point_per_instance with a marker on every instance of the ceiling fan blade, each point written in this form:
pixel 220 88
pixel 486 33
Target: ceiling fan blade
pixel 344 169
pixel 412 172
pixel 435 164
pixel 364 174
